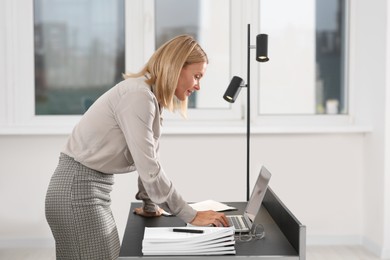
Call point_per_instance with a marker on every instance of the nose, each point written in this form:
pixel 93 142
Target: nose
pixel 197 87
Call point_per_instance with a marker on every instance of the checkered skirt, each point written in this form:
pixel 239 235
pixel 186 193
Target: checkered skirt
pixel 78 212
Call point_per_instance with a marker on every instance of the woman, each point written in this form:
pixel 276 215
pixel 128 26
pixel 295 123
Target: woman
pixel 120 133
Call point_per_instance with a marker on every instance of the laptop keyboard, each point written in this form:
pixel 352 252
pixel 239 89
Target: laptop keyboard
pixel 237 222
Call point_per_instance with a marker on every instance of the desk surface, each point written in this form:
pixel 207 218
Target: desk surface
pixel 274 245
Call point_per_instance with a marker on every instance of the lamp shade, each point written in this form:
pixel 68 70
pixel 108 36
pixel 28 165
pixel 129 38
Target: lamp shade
pixel 233 89
pixel 262 48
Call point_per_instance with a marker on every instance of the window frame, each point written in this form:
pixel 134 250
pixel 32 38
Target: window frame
pixel 311 120
pixel 17 76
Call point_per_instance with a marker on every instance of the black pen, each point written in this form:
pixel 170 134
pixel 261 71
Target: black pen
pixel 184 230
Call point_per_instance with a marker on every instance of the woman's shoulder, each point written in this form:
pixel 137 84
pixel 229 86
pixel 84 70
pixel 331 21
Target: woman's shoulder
pixel 135 89
pixel 134 85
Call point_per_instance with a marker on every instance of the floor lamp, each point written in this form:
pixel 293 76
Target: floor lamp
pixel 237 83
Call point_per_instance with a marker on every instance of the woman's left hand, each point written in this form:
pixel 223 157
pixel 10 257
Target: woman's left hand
pixel 141 212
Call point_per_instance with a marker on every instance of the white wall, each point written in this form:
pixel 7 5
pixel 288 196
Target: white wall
pixel 321 172
pixel 370 69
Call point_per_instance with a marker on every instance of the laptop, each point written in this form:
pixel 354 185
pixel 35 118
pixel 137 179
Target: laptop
pixel 243 223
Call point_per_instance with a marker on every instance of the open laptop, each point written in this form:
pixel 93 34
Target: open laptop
pixel 243 223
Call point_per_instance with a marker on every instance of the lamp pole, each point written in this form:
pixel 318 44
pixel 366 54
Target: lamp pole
pixel 248 114
pixel 237 83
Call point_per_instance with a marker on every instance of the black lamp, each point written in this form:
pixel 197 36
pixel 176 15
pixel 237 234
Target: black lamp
pixel 233 89
pixel 237 83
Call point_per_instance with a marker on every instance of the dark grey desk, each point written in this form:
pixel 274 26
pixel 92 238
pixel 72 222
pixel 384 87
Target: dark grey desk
pixel 285 236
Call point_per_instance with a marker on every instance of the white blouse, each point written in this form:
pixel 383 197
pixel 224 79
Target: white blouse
pixel 120 133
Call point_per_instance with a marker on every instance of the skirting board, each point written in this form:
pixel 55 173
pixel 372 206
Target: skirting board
pixel 27 243
pixel 383 252
pixel 311 240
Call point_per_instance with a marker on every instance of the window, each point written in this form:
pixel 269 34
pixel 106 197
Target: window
pixel 61 55
pixel 79 53
pixel 331 91
pixel 306 71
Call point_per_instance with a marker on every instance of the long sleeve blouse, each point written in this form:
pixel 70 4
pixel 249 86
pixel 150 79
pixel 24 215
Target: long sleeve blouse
pixel 120 133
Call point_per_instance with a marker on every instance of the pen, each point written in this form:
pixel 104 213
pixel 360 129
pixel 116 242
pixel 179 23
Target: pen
pixel 183 230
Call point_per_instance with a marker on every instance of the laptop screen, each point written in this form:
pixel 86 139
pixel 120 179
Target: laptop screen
pixel 258 193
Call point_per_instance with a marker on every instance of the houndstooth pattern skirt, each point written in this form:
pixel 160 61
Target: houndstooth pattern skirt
pixel 78 212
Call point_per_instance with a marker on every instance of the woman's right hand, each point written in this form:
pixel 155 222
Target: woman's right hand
pixel 142 212
pixel 205 218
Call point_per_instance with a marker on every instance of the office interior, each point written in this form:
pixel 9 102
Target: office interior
pixel 331 170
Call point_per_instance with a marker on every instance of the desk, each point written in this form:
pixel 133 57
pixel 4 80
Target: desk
pixel 285 236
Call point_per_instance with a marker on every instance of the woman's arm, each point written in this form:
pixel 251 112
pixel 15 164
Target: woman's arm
pixel 138 117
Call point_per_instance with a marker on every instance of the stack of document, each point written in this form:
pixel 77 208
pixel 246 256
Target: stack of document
pixel 188 241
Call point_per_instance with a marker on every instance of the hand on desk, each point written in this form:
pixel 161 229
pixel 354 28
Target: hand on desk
pixel 204 218
pixel 141 212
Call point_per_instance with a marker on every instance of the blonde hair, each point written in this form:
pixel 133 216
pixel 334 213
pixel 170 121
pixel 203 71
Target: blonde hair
pixel 164 67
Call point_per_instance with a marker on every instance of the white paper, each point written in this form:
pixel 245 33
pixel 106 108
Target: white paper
pixel 211 205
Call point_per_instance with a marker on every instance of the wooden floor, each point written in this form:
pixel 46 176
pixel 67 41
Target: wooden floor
pixel 312 253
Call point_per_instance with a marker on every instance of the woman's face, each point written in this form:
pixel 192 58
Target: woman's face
pixel 189 78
